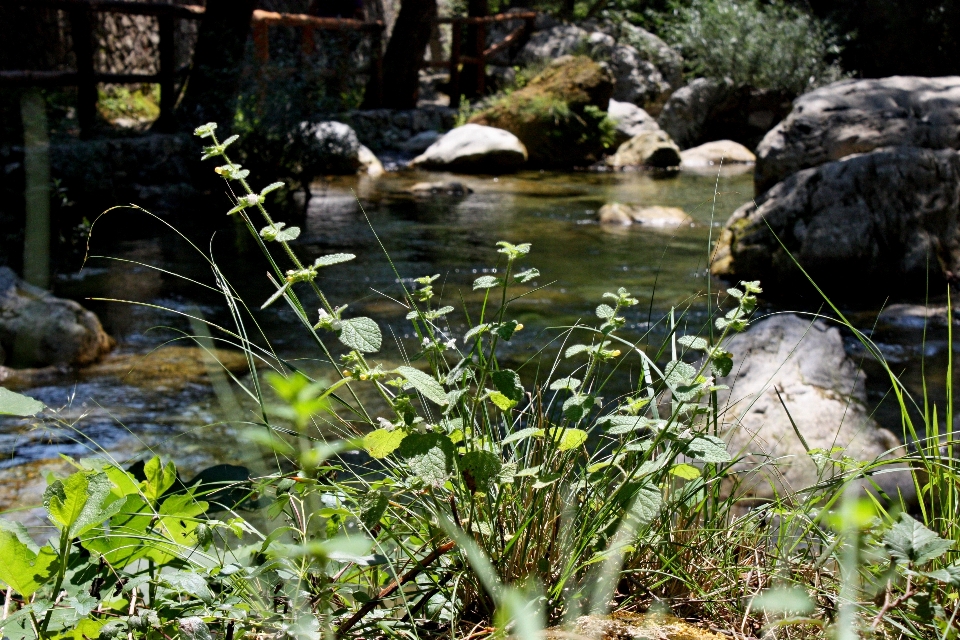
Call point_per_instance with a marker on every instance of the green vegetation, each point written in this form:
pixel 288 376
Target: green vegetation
pixel 140 103
pixel 767 46
pixel 484 496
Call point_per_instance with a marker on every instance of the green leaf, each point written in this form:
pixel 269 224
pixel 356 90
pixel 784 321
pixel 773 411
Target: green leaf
pixel 430 456
pixel 76 504
pixel 784 600
pixel 708 448
pixel 526 276
pixel 693 342
pixel 576 349
pixel 373 509
pixel 25 567
pixel 605 312
pixel 16 404
pixel 647 503
pixel 567 439
pixel 273 186
pixel 485 282
pixel 335 258
pixel 569 383
pixel 522 434
pixel 360 334
pixel 909 541
pixel 477 330
pixel 479 469
pixel 425 384
pixel 685 471
pixel 721 363
pixel 188 582
pixel 679 376
pixel 381 443
pixel 506 329
pixel 507 382
pixel 949 574
pixel 159 478
pixel 625 424
pixel 577 406
pixel 546 480
pixel 503 402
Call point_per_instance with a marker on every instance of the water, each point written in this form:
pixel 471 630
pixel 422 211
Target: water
pixel 178 416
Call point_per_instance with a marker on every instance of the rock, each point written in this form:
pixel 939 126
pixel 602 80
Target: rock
pixel 387 129
pixel 440 188
pixel 559 114
pixel 626 626
pixel 369 163
pixel 881 219
pixel 648 149
pixel 645 68
pixel 630 120
pixel 825 395
pixel 856 116
pixel 474 148
pixel 713 153
pixel 37 329
pixel 420 142
pixel 706 110
pixel 625 214
pixel 330 148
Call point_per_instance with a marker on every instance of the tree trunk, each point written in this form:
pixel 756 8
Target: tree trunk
pixel 404 56
pixel 472 46
pixel 36 166
pixel 214 82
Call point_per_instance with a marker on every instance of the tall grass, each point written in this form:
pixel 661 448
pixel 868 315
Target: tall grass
pixel 451 495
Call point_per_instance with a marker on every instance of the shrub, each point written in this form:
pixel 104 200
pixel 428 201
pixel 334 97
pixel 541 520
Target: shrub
pixel 767 46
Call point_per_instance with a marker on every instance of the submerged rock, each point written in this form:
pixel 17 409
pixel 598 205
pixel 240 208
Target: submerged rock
pixel 647 149
pixel 856 116
pixel 625 214
pixel 625 626
pixel 881 219
pixel 38 329
pixel 716 153
pixel 440 188
pixel 559 115
pixel 629 120
pixel 474 148
pixel 826 398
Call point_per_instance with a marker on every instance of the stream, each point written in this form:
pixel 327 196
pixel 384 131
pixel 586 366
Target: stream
pixel 169 405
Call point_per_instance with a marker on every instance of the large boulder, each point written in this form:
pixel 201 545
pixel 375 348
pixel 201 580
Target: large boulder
pixel 645 68
pixel 329 148
pixel 629 120
pixel 648 149
pixel 707 110
pixel 824 393
pixel 38 329
pixel 560 115
pixel 474 148
pixel 856 116
pixel 880 219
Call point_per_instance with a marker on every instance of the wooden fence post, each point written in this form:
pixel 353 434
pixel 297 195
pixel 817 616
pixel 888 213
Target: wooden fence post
pixel 168 72
pixel 81 31
pixel 481 59
pixel 455 35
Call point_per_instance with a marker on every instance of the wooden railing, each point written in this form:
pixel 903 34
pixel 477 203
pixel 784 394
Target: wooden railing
pixel 516 37
pixel 86 78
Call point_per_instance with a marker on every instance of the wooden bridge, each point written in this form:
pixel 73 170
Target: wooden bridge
pixel 86 78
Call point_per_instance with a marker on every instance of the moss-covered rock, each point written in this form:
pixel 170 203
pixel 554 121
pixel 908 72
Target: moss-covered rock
pixel 560 116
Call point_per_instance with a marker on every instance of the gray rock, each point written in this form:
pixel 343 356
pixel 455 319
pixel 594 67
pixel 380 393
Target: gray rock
pixel 688 109
pixel 474 148
pixel 38 329
pixel 386 129
pixel 551 43
pixel 880 219
pixel 856 116
pixel 369 163
pixel 652 48
pixel 713 153
pixel 452 188
pixel 330 148
pixel 630 120
pixel 668 218
pixel 420 142
pixel 824 393
pixel 647 149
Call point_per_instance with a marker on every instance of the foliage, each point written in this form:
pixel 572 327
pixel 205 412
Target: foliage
pixel 140 103
pixel 767 46
pixel 485 495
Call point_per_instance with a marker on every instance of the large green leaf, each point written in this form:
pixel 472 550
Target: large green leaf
pixel 647 502
pixel 381 443
pixel 425 384
pixel 507 382
pixel 24 566
pixel 567 439
pixel 430 456
pixel 159 478
pixel 908 541
pixel 77 504
pixel 479 468
pixel 16 404
pixel 361 334
pixel 708 448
